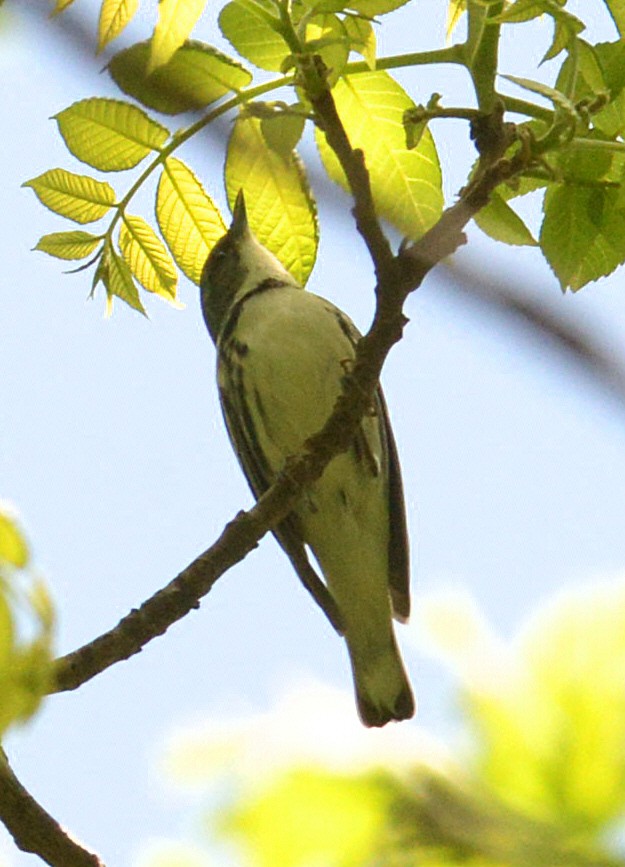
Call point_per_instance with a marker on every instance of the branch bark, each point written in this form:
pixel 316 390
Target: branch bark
pixel 34 830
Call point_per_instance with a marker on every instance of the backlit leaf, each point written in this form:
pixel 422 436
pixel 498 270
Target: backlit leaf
pixel 195 76
pixel 406 184
pixel 280 207
pixel 108 134
pixel 77 197
pixel 188 219
pixel 114 16
pixel 176 20
pixel 583 233
pixel 147 257
pixel 68 245
pixel 246 25
pixel 500 222
pixel 362 38
pixel 117 279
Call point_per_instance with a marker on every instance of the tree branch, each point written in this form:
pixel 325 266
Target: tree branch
pixel 33 829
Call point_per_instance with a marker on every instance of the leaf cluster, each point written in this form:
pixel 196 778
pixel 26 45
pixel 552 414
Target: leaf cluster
pixel 577 152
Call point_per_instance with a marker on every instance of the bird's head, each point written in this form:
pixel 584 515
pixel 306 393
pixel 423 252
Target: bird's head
pixel 237 264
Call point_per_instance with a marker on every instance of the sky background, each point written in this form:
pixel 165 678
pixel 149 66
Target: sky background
pixel 113 450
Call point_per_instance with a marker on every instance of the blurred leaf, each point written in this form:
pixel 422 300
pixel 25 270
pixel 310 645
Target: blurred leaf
pixel 13 545
pixel 558 98
pixel 195 76
pixel 77 197
pixel 188 219
pixel 60 6
pixel 68 245
pixel 280 207
pixel 114 16
pixel 583 233
pixel 147 257
pixel 246 24
pixel 499 221
pixel 406 184
pixel 309 817
pixel 108 134
pixel 176 20
pixel 25 663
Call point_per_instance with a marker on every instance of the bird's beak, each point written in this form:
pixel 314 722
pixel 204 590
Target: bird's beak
pixel 239 225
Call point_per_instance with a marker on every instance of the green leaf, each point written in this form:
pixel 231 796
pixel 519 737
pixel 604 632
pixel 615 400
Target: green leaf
pixel 13 545
pixel 282 131
pixel 361 37
pixel 77 197
pixel 176 20
pixel 406 184
pixel 117 279
pixel 280 207
pixel 373 8
pixel 326 36
pixel 500 222
pixel 68 245
pixel 583 233
pixel 246 24
pixel 188 219
pixel 555 96
pixel 195 76
pixel 617 11
pixel 108 134
pixel 147 257
pixel 114 16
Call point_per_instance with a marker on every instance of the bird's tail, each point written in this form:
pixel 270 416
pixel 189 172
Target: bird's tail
pixel 383 691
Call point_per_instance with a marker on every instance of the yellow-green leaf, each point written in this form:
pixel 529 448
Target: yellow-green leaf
pixel 117 279
pixel 68 245
pixel 77 197
pixel 114 16
pixel 280 206
pixel 246 25
pixel 455 11
pixel 188 219
pixel 176 20
pixel 108 134
pixel 61 5
pixel 406 184
pixel 13 546
pixel 147 257
pixel 195 76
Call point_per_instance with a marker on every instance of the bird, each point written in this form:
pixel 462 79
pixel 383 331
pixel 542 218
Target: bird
pixel 282 357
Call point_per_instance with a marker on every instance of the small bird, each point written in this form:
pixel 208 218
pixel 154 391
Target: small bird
pixel 282 357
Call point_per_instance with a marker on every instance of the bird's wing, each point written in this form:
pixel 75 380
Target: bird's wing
pixel 398 550
pixel 244 437
pixel 398 554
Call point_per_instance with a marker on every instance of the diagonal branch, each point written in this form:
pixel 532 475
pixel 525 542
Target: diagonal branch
pixel 397 277
pixel 33 829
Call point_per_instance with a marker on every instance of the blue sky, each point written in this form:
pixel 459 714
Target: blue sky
pixel 114 452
